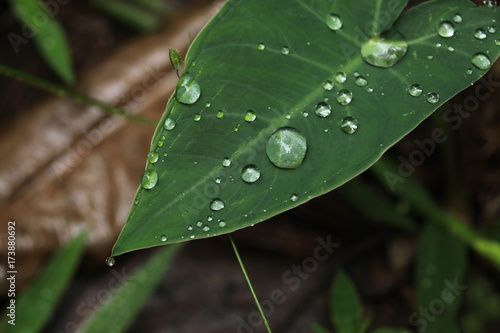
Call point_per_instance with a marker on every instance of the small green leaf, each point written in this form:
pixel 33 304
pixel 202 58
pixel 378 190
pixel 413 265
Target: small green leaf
pixel 35 305
pixel 345 305
pixel 49 36
pixel 308 78
pixel 119 312
pixel 175 59
pixel 439 275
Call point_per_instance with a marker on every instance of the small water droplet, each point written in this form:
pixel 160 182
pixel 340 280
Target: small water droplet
pixel 430 57
pixel 110 261
pixel 492 29
pixel 220 114
pixel 285 50
pixel 328 85
pixel 190 228
pixel 217 180
pixel 163 238
pixel 169 124
pixel 340 77
pixel 433 97
pixel 222 224
pixel 250 116
pixel 457 18
pixel 369 89
pixel 446 29
pixel 294 197
pixel 149 179
pixel 261 47
pixel 384 51
pixel 160 144
pixel 344 97
pixel 286 148
pixel 469 71
pixel 497 42
pixel 206 228
pixel 191 236
pixel 216 205
pixel 188 90
pixel 481 61
pixel 199 224
pixel 349 125
pixel 489 3
pixel 288 116
pixel 480 34
pixel 250 173
pixel 415 90
pixel 197 117
pixel 451 48
pixel 153 157
pixel 361 81
pixel 333 22
pixel 305 114
pixel 323 109
pixel 439 44
pixel 226 162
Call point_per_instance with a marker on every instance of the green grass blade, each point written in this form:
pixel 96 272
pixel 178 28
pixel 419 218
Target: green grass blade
pixel 119 312
pixel 49 36
pixel 35 305
pixel 345 305
pixel 264 116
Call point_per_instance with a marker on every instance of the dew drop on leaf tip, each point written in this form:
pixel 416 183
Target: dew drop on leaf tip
pixel 110 261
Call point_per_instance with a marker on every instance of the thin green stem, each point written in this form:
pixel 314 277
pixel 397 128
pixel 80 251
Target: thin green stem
pixel 61 91
pixel 266 323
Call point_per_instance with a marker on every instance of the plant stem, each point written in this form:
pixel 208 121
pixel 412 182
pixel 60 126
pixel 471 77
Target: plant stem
pixel 266 323
pixel 61 91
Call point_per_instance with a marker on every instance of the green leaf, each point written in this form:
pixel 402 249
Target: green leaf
pixel 255 58
pixel 390 330
pixel 345 305
pixel 317 328
pixel 49 36
pixel 34 307
pixel 121 309
pixel 439 274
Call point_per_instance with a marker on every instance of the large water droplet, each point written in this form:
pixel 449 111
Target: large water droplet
pixel 169 124
pixel 384 51
pixel 480 34
pixel 333 22
pixel 163 238
pixel 110 261
pixel 216 205
pixel 481 61
pixel 149 179
pixel 286 148
pixel 349 125
pixel 446 29
pixel 328 85
pixel 188 90
pixel 415 90
pixel 341 77
pixel 323 109
pixel 433 97
pixel 250 116
pixel 153 157
pixel 226 162
pixel 344 97
pixel 250 173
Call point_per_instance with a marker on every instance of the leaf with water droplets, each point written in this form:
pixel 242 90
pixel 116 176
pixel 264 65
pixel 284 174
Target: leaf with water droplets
pixel 271 113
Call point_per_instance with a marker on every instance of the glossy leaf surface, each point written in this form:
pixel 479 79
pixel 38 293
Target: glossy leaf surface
pixel 282 88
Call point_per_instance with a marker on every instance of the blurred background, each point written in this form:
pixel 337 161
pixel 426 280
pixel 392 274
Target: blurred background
pixel 67 166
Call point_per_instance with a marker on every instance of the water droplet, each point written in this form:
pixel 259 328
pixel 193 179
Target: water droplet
pixel 250 116
pixel 344 97
pixel 340 77
pixel 369 89
pixel 384 51
pixel 216 205
pixel 288 116
pixel 217 180
pixel 492 29
pixel 261 47
pixel 361 81
pixel 323 109
pixel 305 114
pixel 226 162
pixel 209 218
pixel 199 224
pixel 191 236
pixel 285 50
pixel 469 71
pixel 457 18
pixel 481 61
pixel 294 197
pixel 489 3
pixel 286 148
pixel 415 90
pixel 163 238
pixel 250 173
pixel 222 224
pixel 430 57
pixel 349 125
pixel 433 97
pixel 439 44
pixel 188 90
pixel 206 228
pixel 480 34
pixel 446 29
pixel 110 261
pixel 497 42
pixel 149 179
pixel 333 22
pixel 220 114
pixel 328 85
pixel 190 228
pixel 451 48
pixel 197 117
pixel 152 157
pixel 169 124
